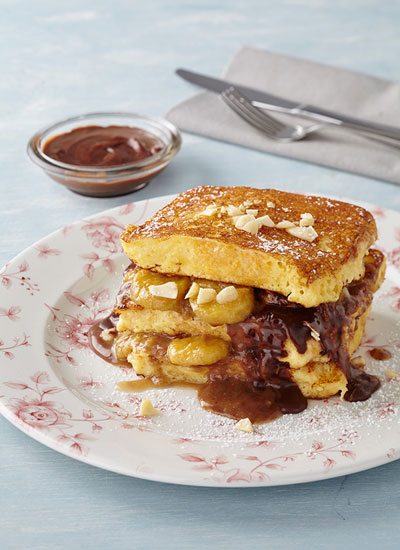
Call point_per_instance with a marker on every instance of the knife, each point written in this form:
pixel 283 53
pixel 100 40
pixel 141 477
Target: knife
pixel 264 100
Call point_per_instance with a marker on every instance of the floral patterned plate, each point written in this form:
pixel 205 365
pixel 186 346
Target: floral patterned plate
pixel 56 390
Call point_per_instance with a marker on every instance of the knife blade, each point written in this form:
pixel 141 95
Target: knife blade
pixel 268 101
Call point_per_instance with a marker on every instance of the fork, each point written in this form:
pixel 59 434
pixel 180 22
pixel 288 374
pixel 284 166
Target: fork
pixel 269 125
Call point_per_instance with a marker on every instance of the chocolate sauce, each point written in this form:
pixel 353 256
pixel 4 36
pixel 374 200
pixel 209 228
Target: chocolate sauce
pixel 259 340
pixel 104 348
pixel 380 354
pixel 103 146
pixel 258 344
pixel 237 399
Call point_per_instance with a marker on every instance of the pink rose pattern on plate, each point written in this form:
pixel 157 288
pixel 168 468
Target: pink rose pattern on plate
pixel 40 405
pixel 103 232
pixel 18 276
pixel 18 342
pixel 259 469
pixel 72 330
pixel 39 411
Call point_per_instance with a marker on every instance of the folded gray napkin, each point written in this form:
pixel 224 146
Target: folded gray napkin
pixel 340 90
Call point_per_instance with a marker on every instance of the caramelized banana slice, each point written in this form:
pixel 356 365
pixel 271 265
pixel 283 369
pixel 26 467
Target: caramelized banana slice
pixel 228 313
pixel 128 342
pixel 141 295
pixel 197 350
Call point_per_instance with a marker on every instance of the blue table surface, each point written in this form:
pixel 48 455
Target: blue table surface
pixel 63 58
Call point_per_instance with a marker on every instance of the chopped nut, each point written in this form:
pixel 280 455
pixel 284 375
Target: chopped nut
pixel 305 222
pixel 166 290
pixel 242 220
pixel 285 224
pixel 210 210
pixel 306 233
pixel 247 203
pixel 223 210
pixel 206 295
pixel 108 334
pixel 258 201
pixel 147 409
pixel 307 219
pixel 358 361
pixel 234 210
pixel 314 333
pixel 271 204
pixel 193 290
pixel 252 227
pixel 252 211
pixel 244 425
pixel 345 292
pixel 227 294
pixel 265 220
pixel 392 374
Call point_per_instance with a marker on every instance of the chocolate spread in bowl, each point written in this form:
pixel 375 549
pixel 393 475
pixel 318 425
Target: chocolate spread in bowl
pixel 103 146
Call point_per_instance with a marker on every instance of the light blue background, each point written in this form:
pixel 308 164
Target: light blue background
pixel 63 58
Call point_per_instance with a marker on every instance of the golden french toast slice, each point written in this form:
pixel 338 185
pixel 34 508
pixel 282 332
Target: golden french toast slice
pixel 304 247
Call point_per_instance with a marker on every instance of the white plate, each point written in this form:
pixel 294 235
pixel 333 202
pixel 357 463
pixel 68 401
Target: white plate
pixel 56 390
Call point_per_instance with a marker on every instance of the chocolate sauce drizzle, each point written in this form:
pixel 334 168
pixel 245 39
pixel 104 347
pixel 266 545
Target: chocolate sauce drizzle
pixel 259 340
pixel 258 344
pixel 101 347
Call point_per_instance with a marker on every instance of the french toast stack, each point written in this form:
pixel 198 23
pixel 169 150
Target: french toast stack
pixel 258 289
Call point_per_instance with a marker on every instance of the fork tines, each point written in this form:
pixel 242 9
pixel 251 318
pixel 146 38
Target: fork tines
pixel 244 108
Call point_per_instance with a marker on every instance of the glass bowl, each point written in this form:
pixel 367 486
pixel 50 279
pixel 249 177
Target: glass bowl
pixel 106 181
